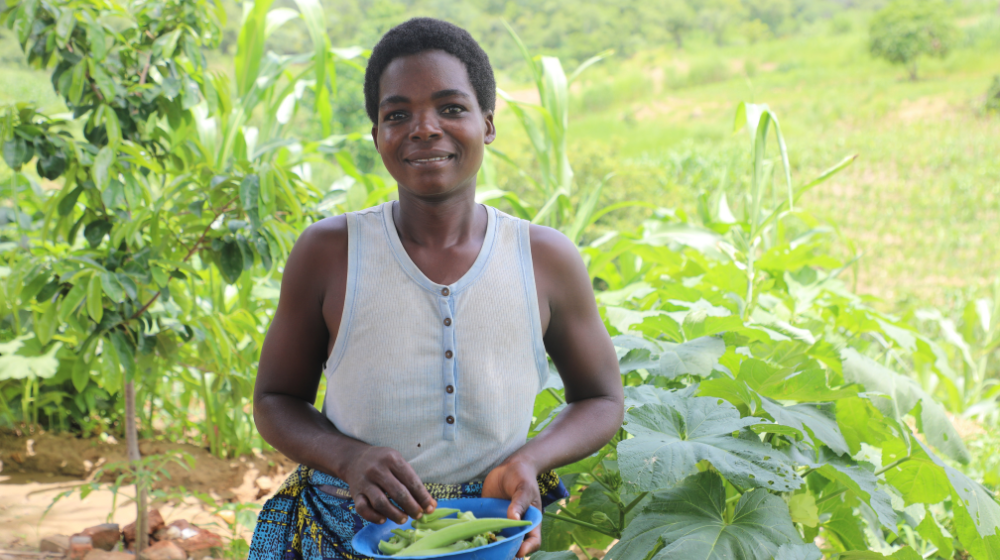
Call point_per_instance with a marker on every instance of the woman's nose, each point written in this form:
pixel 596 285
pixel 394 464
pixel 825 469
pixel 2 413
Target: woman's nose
pixel 425 127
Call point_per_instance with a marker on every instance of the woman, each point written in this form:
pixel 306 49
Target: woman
pixel 431 318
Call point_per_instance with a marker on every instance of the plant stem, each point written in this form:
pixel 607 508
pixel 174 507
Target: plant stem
pixel 590 526
pixel 831 496
pixel 892 465
pixel 581 547
pixel 132 444
pixel 635 502
pixel 556 395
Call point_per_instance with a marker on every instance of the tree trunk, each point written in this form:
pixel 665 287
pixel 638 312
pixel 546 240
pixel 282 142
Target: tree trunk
pixel 913 71
pixel 678 39
pixel 132 444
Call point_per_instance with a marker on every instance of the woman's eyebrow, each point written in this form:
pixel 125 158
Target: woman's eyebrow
pixel 449 93
pixel 394 99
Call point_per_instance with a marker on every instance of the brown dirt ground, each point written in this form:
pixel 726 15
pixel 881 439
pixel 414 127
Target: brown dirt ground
pixel 37 456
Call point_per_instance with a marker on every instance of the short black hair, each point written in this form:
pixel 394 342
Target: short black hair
pixel 423 34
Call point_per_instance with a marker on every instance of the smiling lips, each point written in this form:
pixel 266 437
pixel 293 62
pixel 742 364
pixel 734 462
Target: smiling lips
pixel 429 160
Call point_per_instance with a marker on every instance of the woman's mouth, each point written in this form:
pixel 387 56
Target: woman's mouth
pixel 430 161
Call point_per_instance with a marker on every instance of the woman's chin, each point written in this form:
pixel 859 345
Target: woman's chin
pixel 432 189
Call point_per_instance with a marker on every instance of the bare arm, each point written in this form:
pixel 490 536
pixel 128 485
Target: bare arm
pixel 291 362
pixel 583 353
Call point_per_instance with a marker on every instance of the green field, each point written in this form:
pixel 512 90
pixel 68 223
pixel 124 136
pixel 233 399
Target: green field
pixel 922 202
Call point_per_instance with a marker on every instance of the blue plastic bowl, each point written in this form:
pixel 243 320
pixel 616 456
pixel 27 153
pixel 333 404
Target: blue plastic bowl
pixel 367 539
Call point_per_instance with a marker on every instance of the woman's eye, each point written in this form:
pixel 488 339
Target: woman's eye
pixel 453 110
pixel 394 116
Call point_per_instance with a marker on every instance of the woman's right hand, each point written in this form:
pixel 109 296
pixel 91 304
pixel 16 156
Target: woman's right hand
pixel 381 473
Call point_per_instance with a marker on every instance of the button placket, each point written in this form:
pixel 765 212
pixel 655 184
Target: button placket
pixel 449 363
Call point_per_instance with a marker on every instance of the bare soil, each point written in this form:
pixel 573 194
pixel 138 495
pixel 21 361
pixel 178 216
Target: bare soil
pixel 40 456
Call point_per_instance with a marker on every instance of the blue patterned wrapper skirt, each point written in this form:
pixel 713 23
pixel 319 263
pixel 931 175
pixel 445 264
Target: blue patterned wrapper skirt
pixel 312 516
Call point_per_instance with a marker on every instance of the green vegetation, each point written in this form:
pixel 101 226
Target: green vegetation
pixel 905 30
pixel 441 536
pixel 151 196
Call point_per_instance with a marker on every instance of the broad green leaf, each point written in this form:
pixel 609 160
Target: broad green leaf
pixel 112 287
pixel 738 393
pixel 81 375
pixel 112 125
pixel 799 552
pixel 646 394
pixel 125 351
pixel 69 201
pixel 907 394
pixel 930 530
pixel 857 477
pixel 691 522
pixel 977 517
pixel 842 521
pixel 103 163
pixel 670 360
pixel 919 478
pixel 46 322
pixel 73 299
pixel 802 508
pixel 95 295
pixel 785 384
pixel 105 84
pixel 861 421
pixel 231 261
pixel 249 195
pixel 905 553
pixel 669 441
pixel 816 422
pixel 14 366
pixel 65 24
pixel 561 555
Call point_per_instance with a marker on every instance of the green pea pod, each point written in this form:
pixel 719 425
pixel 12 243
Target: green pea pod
pixel 455 547
pixel 390 547
pixel 437 514
pixel 438 524
pixel 455 533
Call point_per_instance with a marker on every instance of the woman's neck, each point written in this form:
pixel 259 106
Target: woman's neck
pixel 439 224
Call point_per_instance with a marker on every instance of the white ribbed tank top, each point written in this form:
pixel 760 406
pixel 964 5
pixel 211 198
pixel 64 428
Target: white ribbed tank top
pixel 444 374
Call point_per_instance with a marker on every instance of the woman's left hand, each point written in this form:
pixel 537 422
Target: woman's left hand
pixel 517 481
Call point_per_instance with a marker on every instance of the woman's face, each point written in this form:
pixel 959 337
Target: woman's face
pixel 430 131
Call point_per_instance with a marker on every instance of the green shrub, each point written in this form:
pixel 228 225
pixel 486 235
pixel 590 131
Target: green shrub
pixel 993 96
pixel 905 30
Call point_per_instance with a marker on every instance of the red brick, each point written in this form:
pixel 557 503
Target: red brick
pixel 79 546
pixel 54 543
pixel 200 544
pixel 155 521
pixel 98 554
pixel 104 536
pixel 163 550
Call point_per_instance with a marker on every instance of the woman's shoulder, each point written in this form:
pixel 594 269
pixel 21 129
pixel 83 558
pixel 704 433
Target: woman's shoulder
pixel 322 244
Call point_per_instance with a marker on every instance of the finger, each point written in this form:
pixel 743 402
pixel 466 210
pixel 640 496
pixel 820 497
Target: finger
pixel 532 542
pixel 395 490
pixel 365 510
pixel 408 477
pixel 523 497
pixel 381 504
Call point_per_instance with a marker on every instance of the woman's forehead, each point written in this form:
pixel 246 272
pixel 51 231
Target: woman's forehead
pixel 424 73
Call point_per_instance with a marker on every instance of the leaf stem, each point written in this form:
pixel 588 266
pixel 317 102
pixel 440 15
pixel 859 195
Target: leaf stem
pixel 635 502
pixel 590 526
pixel 892 465
pixel 556 395
pixel 581 547
pixel 831 496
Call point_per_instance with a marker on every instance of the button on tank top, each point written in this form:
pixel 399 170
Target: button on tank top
pixel 444 374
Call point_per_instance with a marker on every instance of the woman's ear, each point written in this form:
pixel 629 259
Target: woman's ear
pixel 375 136
pixel 491 129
